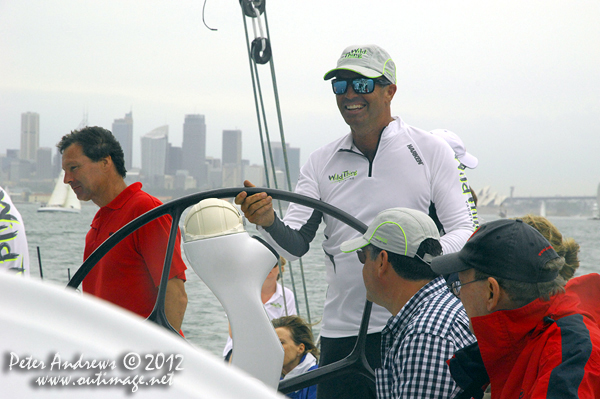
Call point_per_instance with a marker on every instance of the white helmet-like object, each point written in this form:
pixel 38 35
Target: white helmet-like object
pixel 211 218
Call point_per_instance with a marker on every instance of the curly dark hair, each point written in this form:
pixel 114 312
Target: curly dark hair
pixel 97 143
pixel 565 247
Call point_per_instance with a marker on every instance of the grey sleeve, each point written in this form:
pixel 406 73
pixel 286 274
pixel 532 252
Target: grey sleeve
pixel 296 242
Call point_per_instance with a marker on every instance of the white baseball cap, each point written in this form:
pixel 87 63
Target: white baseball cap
pixel 458 146
pixel 397 230
pixel 368 60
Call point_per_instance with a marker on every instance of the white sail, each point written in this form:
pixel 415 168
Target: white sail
pixel 63 198
pixel 59 194
pixel 543 209
pixel 596 206
pixel 71 201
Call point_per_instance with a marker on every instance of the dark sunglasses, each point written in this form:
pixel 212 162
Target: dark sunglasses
pixel 362 255
pixel 359 85
pixel 456 285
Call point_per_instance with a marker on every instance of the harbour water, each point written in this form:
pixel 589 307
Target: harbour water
pixel 61 237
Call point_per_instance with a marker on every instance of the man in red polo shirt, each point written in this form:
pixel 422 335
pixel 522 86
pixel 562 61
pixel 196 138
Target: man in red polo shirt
pixel 129 274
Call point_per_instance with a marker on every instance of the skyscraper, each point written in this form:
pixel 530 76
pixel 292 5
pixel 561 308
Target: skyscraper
pixel 43 165
pixel 232 147
pixel 232 158
pixel 255 174
pixel 194 148
pixel 174 158
pixel 154 154
pixel 293 157
pixel 122 129
pixel 30 135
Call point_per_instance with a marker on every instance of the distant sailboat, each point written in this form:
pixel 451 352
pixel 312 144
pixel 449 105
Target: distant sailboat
pixel 502 212
pixel 63 198
pixel 595 210
pixel 543 209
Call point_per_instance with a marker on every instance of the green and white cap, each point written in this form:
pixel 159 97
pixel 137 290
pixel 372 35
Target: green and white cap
pixel 397 230
pixel 368 60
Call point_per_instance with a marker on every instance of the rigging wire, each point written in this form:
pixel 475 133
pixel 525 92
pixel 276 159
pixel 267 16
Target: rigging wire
pixel 260 131
pixel 259 52
pixel 287 167
pixel 260 108
pixel 203 7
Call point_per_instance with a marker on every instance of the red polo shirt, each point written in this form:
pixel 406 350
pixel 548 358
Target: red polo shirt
pixel 129 274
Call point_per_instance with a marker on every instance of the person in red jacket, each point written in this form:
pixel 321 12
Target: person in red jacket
pixel 536 337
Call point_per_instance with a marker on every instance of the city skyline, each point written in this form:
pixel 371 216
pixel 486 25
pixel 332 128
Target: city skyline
pixel 122 129
pixel 164 166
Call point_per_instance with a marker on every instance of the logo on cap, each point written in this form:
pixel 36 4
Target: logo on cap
pixel 383 240
pixel 356 53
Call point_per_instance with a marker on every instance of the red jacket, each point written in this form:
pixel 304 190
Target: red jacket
pixel 545 349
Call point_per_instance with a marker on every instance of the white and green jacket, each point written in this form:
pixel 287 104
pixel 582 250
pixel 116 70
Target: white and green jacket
pixel 411 168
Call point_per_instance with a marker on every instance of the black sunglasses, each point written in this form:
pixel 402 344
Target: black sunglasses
pixel 362 255
pixel 456 285
pixel 359 85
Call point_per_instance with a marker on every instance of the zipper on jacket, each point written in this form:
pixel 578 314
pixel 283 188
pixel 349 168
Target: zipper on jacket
pixel 360 155
pixel 363 155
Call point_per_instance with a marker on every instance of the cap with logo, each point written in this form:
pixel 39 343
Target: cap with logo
pixel 368 60
pixel 397 230
pixel 503 248
pixel 458 146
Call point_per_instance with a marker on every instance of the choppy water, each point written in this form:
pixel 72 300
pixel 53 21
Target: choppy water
pixel 61 239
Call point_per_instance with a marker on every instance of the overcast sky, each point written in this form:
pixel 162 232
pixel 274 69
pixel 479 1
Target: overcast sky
pixel 517 80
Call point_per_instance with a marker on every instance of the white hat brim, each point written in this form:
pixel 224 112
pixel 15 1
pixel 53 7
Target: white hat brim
pixel 353 245
pixel 366 72
pixel 469 161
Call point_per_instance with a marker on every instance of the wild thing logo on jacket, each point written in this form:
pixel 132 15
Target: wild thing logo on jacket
pixel 345 175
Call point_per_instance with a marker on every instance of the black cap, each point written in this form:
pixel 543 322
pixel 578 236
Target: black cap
pixel 503 248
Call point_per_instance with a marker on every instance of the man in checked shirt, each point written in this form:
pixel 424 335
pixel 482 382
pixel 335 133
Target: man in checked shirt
pixel 428 323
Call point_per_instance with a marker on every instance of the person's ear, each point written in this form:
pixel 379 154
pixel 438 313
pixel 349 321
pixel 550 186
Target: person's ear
pixel 383 263
pixel 494 293
pixel 106 162
pixel 301 349
pixel 390 91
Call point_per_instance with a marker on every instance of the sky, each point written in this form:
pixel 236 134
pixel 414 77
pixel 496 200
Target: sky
pixel 517 80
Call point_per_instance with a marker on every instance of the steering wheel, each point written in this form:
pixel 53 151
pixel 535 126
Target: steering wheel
pixel 355 362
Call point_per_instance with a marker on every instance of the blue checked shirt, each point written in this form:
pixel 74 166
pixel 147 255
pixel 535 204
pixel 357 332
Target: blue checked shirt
pixel 416 343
